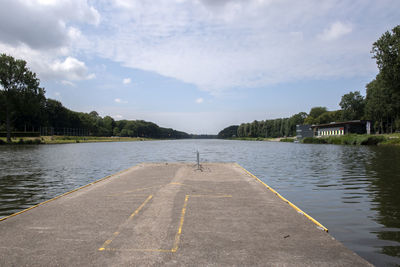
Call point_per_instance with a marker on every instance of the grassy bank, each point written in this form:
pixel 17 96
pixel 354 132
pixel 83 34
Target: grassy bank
pixel 253 139
pixel 278 139
pixel 70 139
pixel 356 139
pixel 287 140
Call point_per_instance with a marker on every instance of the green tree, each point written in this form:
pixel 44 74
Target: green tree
pixel 299 118
pixel 325 117
pixel 315 112
pixel 19 86
pixel 378 105
pixel 386 51
pixel 353 105
pixel 296 119
pixel 109 125
pixel 229 132
pixel 337 115
pixel 383 94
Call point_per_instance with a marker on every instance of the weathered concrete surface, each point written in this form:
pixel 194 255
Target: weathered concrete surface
pixel 170 214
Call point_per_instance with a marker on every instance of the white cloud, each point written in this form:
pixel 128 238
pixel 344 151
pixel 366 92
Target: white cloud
pixel 335 31
pixel 43 24
pixel 219 45
pixel 72 69
pixel 118 117
pixel 120 101
pixel 199 100
pixel 44 33
pixel 126 81
pixel 69 83
pixel 216 45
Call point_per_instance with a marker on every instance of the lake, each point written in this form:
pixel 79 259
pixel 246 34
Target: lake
pixel 352 190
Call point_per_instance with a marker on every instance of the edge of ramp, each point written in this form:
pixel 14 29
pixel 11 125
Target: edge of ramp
pixel 66 193
pixel 319 225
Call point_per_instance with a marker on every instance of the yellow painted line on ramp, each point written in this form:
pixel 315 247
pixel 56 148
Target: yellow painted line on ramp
pixel 178 234
pixel 108 242
pixel 138 249
pixel 287 201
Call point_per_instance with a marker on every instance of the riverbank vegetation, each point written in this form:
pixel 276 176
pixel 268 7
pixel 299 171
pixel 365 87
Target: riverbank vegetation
pixel 69 140
pixel 355 139
pixel 381 105
pixel 287 140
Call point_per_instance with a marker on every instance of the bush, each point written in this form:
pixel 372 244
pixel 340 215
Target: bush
pixel 350 139
pixel 37 142
pixel 334 140
pixel 313 140
pixel 289 140
pixel 21 134
pixel 372 140
pixel 392 141
pixel 29 142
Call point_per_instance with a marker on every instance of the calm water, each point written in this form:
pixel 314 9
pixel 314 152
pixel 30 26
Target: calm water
pixel 353 191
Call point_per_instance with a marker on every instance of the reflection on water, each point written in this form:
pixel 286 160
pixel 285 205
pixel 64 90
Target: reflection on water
pixel 354 191
pixel 385 166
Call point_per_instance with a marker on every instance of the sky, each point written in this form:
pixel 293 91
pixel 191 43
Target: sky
pixel 197 66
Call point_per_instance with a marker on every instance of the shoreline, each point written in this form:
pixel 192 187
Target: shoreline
pixel 356 139
pixel 349 139
pixel 49 140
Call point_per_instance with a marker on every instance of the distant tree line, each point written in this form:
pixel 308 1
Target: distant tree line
pixel 228 132
pixel 51 113
pixel 203 136
pixel 266 128
pixel 381 104
pixel 24 107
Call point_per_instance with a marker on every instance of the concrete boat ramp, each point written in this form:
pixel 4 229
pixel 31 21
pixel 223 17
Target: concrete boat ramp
pixel 170 214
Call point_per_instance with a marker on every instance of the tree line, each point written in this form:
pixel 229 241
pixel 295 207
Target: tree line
pixel 265 128
pixel 24 107
pixel 381 105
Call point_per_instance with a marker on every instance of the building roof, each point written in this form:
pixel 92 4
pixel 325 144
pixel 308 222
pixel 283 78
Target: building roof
pixel 336 124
